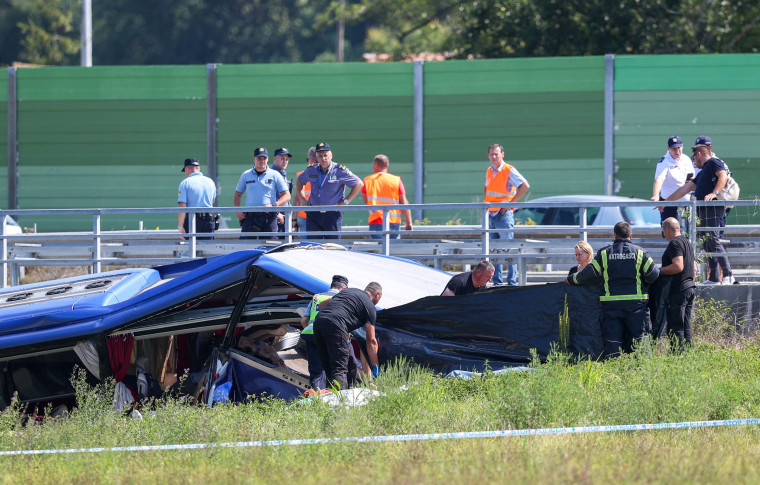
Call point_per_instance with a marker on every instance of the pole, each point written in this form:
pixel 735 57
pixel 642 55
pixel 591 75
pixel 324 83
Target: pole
pixel 87 33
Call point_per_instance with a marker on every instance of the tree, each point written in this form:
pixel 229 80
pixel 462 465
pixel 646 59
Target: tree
pixel 514 28
pixel 48 33
pixel 398 27
pixel 203 31
pixel 520 28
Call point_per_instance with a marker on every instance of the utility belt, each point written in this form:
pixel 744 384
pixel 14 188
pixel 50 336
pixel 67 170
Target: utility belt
pixel 205 216
pixel 259 215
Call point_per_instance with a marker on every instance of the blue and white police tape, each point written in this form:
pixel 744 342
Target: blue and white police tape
pixel 403 437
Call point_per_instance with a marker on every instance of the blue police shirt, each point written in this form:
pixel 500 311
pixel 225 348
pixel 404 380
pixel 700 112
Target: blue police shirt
pixel 261 189
pixel 328 188
pixel 284 174
pixel 197 190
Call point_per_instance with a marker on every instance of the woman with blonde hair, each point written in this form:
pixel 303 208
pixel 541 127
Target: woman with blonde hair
pixel 584 253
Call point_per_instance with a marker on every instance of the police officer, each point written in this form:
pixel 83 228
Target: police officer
pixel 626 271
pixel 671 173
pixel 317 376
pixel 262 186
pixel 328 183
pixel 345 312
pixel 280 164
pixel 196 190
pixel 383 188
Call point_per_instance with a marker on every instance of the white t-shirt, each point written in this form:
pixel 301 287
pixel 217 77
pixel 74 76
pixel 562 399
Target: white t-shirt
pixel 673 173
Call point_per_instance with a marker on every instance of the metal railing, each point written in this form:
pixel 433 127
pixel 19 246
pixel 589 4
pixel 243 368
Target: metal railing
pixel 97 250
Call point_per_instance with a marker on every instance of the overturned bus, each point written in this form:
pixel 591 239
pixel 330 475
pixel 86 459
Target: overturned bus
pixel 236 315
pixel 232 322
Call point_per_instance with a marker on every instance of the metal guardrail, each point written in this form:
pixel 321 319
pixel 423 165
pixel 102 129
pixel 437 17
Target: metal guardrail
pixel 435 245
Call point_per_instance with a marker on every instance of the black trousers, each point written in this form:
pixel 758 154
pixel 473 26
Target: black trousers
pixel 712 242
pixel 679 318
pixel 259 222
pixel 668 212
pixel 317 377
pixel 619 323
pixel 324 221
pixel 335 353
pixel 203 223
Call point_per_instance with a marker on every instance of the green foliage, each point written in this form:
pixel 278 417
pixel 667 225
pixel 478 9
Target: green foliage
pixel 244 31
pixel 49 37
pixel 564 327
pixel 513 28
pixel 715 322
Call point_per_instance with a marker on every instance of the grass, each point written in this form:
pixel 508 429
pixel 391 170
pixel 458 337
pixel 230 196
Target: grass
pixel 719 378
pixel 707 382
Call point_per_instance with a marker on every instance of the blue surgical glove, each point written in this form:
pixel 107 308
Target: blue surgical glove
pixel 375 370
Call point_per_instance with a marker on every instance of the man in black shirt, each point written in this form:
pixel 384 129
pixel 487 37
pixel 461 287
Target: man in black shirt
pixel 679 265
pixel 471 281
pixel 343 313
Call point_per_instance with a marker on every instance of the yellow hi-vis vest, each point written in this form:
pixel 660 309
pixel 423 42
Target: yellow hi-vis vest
pixel 639 262
pixel 496 187
pixel 382 189
pixel 314 310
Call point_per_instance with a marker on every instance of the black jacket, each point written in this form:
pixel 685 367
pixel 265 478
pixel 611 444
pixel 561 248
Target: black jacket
pixel 625 271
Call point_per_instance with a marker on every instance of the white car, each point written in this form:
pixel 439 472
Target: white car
pixel 568 214
pixel 11 227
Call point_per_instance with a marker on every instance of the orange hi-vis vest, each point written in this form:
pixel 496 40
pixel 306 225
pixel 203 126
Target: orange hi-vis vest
pixel 307 193
pixel 382 189
pixel 496 188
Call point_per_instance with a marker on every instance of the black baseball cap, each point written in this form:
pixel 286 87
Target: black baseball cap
pixel 323 147
pixel 260 152
pixel 191 162
pixel 282 151
pixel 340 279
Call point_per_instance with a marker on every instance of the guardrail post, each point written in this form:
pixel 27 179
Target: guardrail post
pixel 191 228
pixel 289 226
pixel 96 242
pixel 386 234
pixel 582 211
pixel 486 239
pixel 693 223
pixel 5 254
pixel 522 269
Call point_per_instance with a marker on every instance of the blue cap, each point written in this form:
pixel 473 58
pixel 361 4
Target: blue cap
pixel 323 147
pixel 702 140
pixel 675 142
pixel 282 151
pixel 260 152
